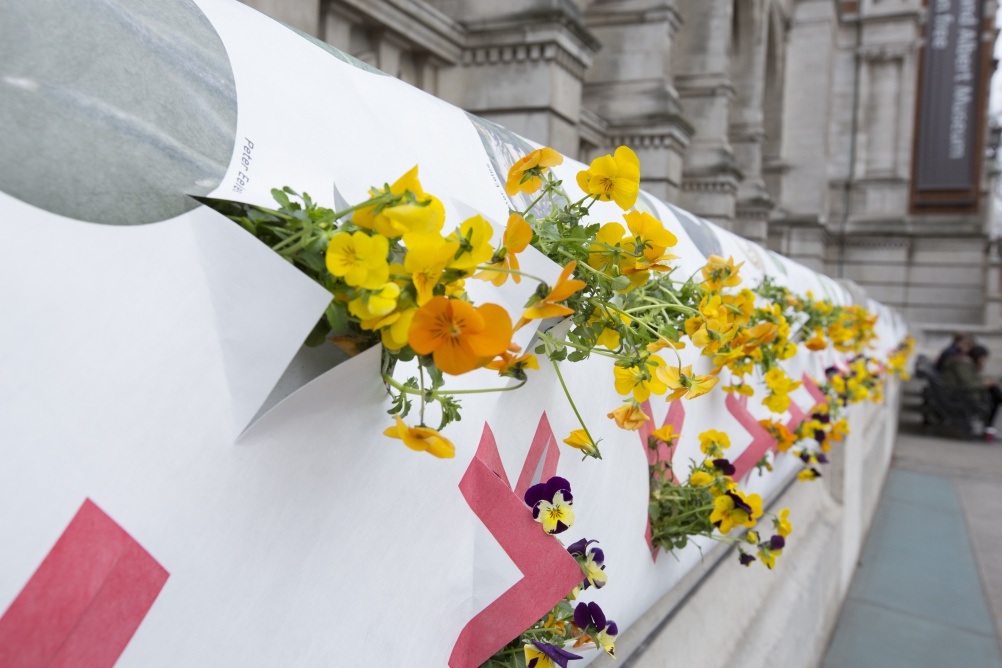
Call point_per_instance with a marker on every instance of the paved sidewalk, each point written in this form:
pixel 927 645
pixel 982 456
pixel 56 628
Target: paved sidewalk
pixel 928 588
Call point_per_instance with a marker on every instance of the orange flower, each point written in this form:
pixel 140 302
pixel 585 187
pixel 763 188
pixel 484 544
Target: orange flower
pixel 512 364
pixel 524 174
pixel 629 416
pixel 459 337
pixel 516 237
pixel 818 342
pixel 547 307
pixel 422 439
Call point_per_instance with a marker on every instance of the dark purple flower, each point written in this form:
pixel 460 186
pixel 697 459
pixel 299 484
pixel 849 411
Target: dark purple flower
pixel 746 559
pixel 777 543
pixel 823 418
pixel 820 435
pixel 724 466
pixel 579 547
pixel 805 457
pixel 557 655
pixel 590 615
pixel 739 503
pixel 545 491
pixel 611 628
pixel 597 555
pixel 822 458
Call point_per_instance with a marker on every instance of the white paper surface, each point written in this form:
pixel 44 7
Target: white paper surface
pixel 133 357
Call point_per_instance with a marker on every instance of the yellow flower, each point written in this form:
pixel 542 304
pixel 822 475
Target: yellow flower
pixel 720 273
pixel 613 177
pixel 428 254
pixel 374 306
pixel 807 475
pixel 640 382
pixel 740 388
pixel 422 439
pixel 700 479
pixel 629 416
pixel 474 239
pixel 666 433
pixel 782 523
pixel 683 382
pixel 781 385
pixel 516 238
pixel 735 508
pixel 713 442
pixel 394 333
pixel 415 210
pixel 524 175
pixel 459 337
pixel 652 236
pixel 359 259
pixel 579 439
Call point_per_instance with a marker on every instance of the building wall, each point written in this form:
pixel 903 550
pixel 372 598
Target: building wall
pixel 790 122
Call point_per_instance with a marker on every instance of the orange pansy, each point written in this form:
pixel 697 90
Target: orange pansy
pixel 459 337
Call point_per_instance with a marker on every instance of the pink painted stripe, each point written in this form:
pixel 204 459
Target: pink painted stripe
pixel 550 573
pixel 85 601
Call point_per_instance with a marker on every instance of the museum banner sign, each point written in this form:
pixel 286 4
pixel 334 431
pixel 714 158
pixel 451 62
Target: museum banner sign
pixel 950 101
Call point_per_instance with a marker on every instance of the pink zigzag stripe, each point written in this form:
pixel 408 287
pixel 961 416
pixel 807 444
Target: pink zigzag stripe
pixel 549 571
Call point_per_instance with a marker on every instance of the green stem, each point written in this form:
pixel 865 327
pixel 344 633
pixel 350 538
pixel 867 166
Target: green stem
pixel 533 203
pixel 645 326
pixel 546 337
pixel 510 271
pixel 443 393
pixel 421 376
pixel 378 199
pixel 560 376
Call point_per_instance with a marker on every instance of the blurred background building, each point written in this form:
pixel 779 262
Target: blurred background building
pixel 849 135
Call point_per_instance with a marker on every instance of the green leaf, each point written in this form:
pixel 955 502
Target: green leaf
pixel 280 197
pixel 319 333
pixel 621 283
pixel 337 317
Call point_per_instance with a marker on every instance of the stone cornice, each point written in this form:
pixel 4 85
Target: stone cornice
pixel 510 53
pixel 726 184
pixel 674 138
pixel 632 12
pixel 879 52
pixel 550 35
pixel 417 23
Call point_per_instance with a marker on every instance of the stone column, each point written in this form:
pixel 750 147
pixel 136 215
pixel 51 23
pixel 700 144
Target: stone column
pixel 701 59
pixel 630 87
pixel 747 129
pixel 815 103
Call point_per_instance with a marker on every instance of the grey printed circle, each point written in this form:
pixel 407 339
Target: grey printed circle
pixel 113 111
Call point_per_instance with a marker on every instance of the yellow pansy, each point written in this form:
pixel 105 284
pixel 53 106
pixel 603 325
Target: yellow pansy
pixel 428 254
pixel 640 382
pixel 474 239
pixel 414 210
pixel 613 177
pixel 422 439
pixel 359 259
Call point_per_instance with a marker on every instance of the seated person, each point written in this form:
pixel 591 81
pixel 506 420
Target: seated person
pixel 961 345
pixel 963 371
